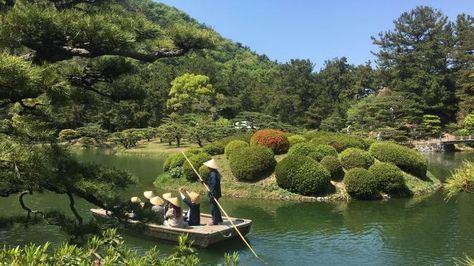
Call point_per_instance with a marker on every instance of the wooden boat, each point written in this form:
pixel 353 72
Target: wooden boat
pixel 202 236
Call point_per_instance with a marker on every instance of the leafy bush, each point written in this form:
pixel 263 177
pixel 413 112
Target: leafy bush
pixel 334 166
pixel 273 139
pixel 302 175
pixel 339 141
pixel 326 150
pixel 251 163
pixel 296 139
pixel 361 184
pixel 197 160
pixel 353 157
pixel 214 148
pixel 204 172
pixel 469 123
pixel 173 161
pixel 461 180
pixel 233 146
pixel 389 177
pixel 176 172
pixel 241 136
pixel 407 159
pixel 303 149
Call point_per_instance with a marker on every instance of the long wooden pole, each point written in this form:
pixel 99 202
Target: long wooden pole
pixel 220 207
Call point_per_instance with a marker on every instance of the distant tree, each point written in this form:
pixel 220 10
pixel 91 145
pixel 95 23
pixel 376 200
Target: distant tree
pixel 414 58
pixel 469 123
pixel 173 129
pixel 431 125
pixel 190 93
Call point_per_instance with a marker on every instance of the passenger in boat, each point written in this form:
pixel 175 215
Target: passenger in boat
pixel 174 215
pixel 166 196
pixel 192 199
pixel 135 206
pixel 148 195
pixel 214 183
pixel 157 209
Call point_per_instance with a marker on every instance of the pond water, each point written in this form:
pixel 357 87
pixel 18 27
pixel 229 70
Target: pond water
pixel 420 231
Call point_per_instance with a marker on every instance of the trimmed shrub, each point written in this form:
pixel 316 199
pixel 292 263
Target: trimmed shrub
pixel 361 184
pixel 233 146
pixel 326 150
pixel 241 136
pixel 353 157
pixel 204 172
pixel 273 139
pixel 303 149
pixel 389 177
pixel 316 156
pixel 407 159
pixel 296 139
pixel 334 166
pixel 197 160
pixel 339 141
pixel 214 148
pixel 302 175
pixel 176 172
pixel 251 163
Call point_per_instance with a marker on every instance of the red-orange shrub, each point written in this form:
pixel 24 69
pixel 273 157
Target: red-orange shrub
pixel 273 139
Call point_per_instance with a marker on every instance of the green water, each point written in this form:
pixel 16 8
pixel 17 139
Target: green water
pixel 420 231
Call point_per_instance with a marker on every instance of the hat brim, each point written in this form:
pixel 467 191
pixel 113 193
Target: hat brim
pixel 211 164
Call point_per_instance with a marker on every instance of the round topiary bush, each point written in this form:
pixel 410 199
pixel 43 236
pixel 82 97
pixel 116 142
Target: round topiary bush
pixel 302 175
pixel 273 139
pixel 173 161
pixel 204 172
pixel 233 146
pixel 408 160
pixel 326 150
pixel 361 184
pixel 294 139
pixel 214 148
pixel 334 166
pixel 389 177
pixel 197 160
pixel 251 163
pixel 354 157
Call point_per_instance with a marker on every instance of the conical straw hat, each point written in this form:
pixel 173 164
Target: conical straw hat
pixel 157 201
pixel 166 196
pixel 135 200
pixel 148 194
pixel 175 202
pixel 194 197
pixel 211 164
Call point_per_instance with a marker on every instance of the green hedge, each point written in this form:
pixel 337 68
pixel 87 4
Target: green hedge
pixel 354 157
pixel 204 172
pixel 334 166
pixel 361 184
pixel 294 139
pixel 389 177
pixel 407 159
pixel 214 148
pixel 197 160
pixel 302 175
pixel 233 146
pixel 251 163
pixel 173 161
pixel 339 141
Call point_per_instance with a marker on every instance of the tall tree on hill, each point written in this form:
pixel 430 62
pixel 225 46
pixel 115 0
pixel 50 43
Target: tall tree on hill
pixel 415 58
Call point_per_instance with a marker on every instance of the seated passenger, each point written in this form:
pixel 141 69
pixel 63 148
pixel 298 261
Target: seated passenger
pixel 192 200
pixel 148 195
pixel 166 196
pixel 135 206
pixel 157 209
pixel 174 215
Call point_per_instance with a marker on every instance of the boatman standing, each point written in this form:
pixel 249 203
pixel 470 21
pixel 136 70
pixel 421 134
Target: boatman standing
pixel 214 183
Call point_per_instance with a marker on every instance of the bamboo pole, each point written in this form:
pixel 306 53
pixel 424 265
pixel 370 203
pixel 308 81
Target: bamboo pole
pixel 220 207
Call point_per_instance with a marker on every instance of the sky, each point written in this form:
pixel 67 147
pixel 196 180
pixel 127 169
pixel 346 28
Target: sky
pixel 309 29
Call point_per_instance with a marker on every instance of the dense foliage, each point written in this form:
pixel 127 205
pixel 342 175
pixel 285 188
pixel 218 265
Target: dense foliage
pixel 251 163
pixel 334 166
pixel 462 180
pixel 408 160
pixel 302 175
pixel 361 184
pixel 197 160
pixel 273 139
pixel 389 177
pixel 294 139
pixel 234 145
pixel 353 157
pixel 339 141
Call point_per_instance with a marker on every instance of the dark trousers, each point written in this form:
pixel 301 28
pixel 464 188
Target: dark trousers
pixel 215 212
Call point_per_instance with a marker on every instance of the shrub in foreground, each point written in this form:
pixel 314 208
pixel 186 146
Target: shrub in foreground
pixel 273 139
pixel 354 157
pixel 334 166
pixel 233 146
pixel 251 163
pixel 361 184
pixel 389 177
pixel 302 175
pixel 407 159
pixel 197 160
pixel 294 139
